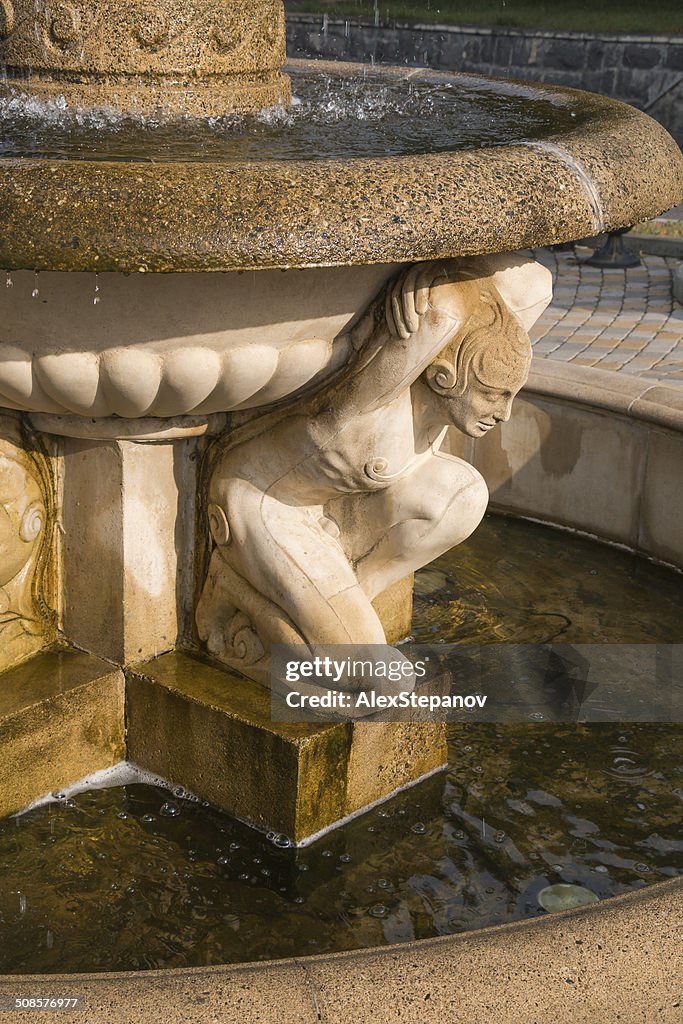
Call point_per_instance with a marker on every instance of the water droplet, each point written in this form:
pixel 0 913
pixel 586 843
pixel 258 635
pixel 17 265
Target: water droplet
pixel 499 837
pixel 243 877
pixel 298 899
pixel 468 750
pixel 327 853
pixel 419 828
pixel 601 869
pixel 234 846
pixel 345 858
pixel 283 841
pixel 379 910
pixel 223 861
pixel 478 769
pixel 169 810
pixel 122 815
pixel 384 883
pixel 643 868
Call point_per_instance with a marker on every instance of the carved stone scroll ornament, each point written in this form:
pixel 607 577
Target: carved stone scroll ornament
pixel 26 622
pixel 317 507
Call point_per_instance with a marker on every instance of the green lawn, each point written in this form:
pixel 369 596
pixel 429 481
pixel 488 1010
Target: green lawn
pixel 654 17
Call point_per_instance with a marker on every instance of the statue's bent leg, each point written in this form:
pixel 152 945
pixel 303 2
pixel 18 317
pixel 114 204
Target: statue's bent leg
pixel 283 554
pixel 418 518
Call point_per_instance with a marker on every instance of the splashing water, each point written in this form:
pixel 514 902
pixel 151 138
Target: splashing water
pixel 330 117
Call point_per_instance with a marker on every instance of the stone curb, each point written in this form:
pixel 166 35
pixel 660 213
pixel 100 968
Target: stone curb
pixel 614 962
pixel 633 397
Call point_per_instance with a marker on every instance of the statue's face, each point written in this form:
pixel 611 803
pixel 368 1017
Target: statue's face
pixel 483 406
pixel 21 515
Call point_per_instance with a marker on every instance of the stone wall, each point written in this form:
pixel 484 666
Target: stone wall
pixel 646 71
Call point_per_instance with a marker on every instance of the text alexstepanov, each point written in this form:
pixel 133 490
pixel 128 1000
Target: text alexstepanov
pixel 370 699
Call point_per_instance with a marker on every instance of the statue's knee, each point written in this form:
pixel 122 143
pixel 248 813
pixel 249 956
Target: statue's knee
pixel 475 500
pixel 459 501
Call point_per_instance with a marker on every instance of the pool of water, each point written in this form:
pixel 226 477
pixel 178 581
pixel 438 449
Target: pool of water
pixel 139 876
pixel 332 116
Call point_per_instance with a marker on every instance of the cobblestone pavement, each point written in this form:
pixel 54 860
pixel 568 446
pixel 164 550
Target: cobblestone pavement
pixel 626 320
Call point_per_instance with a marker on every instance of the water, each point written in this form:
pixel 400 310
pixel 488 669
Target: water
pixel 331 117
pixel 138 877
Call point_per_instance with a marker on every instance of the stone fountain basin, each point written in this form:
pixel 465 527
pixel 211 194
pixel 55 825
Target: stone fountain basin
pixel 614 961
pixel 616 167
pixel 170 343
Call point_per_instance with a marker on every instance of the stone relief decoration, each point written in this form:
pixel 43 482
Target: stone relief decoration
pixel 138 382
pixel 64 25
pixel 167 36
pixel 27 517
pixel 318 506
pixel 150 28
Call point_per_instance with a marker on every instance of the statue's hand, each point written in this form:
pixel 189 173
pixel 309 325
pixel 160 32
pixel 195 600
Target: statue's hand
pixel 408 297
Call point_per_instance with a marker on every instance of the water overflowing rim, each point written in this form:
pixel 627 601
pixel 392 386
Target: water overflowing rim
pixel 616 169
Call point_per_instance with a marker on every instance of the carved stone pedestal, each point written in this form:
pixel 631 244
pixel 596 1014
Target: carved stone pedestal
pixel 199 467
pixel 212 732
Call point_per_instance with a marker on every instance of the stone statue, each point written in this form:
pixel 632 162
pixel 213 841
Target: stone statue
pixel 317 507
pixel 25 618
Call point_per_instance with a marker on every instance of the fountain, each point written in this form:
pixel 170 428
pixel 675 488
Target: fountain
pixel 231 357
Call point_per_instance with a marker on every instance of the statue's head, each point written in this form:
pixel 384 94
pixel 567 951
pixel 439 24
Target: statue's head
pixel 22 511
pixel 483 367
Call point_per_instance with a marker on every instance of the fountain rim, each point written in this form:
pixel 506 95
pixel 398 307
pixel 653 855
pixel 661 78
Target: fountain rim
pixel 619 168
pixel 538 948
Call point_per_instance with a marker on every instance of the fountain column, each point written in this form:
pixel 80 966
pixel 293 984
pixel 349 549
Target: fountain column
pixel 201 57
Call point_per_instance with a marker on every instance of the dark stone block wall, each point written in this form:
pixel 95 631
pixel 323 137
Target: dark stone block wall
pixel 646 71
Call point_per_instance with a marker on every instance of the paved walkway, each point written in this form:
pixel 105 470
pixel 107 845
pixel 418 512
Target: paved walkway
pixel 613 319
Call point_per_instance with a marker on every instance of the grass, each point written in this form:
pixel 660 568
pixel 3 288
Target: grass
pixel 656 17
pixel 661 227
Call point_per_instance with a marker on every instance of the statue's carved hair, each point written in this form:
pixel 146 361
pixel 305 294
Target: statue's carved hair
pixel 492 345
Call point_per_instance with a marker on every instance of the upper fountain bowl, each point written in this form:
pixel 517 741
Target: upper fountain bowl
pixel 414 165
